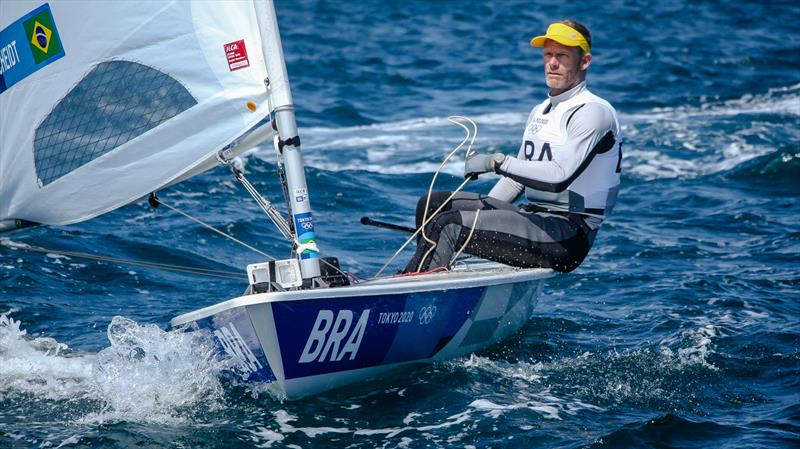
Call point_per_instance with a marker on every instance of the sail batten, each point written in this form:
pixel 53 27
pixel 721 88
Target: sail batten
pixel 143 94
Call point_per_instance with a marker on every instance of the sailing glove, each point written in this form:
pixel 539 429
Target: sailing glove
pixel 478 163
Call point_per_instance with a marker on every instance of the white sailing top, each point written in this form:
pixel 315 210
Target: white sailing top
pixel 570 156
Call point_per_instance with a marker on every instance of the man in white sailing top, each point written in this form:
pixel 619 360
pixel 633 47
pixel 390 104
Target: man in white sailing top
pixel 568 166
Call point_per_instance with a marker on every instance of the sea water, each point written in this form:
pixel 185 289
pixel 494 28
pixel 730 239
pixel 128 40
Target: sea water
pixel 679 330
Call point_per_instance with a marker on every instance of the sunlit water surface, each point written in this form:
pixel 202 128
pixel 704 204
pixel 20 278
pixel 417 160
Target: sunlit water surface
pixel 679 330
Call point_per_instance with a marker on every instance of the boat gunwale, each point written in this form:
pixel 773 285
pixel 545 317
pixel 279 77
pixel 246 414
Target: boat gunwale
pixel 474 276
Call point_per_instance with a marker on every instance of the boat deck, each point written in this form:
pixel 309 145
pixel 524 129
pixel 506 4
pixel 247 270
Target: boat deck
pixel 463 276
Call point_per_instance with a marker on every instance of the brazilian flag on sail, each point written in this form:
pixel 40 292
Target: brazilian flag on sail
pixel 27 45
pixel 42 36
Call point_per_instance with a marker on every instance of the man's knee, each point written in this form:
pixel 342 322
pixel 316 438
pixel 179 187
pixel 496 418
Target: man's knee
pixel 442 220
pixel 436 200
pixel 448 241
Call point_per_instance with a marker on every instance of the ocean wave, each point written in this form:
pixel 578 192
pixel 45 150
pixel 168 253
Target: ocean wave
pixel 669 430
pixel 664 142
pixel 656 164
pixel 146 375
pixel 780 100
pixel 712 138
pixel 40 365
pixel 782 165
pixel 424 123
pixel 671 376
pixel 417 425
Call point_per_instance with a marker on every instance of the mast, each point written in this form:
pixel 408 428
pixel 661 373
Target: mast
pixel 288 139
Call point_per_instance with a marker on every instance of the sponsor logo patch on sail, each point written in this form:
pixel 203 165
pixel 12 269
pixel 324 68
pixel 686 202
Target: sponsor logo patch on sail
pixel 27 45
pixel 236 53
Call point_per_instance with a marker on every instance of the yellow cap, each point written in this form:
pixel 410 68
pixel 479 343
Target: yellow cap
pixel 564 35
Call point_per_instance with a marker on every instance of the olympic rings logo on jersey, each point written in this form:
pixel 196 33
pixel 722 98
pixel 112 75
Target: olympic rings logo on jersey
pixel 534 128
pixel 426 314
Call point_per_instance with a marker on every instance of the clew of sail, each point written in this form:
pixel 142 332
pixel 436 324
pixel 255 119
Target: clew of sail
pixel 104 102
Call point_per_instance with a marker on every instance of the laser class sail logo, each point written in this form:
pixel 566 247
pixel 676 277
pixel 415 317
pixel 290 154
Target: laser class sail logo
pixel 42 36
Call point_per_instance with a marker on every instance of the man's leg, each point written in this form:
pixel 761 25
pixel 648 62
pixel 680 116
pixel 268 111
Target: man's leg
pixel 528 240
pixel 507 236
pixel 448 218
pixel 461 201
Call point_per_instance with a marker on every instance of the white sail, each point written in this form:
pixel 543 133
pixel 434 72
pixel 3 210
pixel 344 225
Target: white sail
pixel 102 102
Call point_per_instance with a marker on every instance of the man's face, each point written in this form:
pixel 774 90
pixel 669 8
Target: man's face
pixel 564 68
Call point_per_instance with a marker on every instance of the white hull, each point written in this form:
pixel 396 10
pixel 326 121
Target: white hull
pixel 307 341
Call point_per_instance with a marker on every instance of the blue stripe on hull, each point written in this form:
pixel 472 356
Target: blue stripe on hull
pixel 319 336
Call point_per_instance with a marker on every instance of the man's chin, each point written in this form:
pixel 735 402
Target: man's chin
pixel 554 83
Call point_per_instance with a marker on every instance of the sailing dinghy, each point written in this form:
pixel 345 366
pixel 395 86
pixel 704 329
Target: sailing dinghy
pixel 103 103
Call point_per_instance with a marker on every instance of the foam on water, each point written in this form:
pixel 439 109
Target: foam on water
pixel 150 375
pixel 530 383
pixel 424 123
pixel 40 365
pixel 696 348
pixel 669 376
pixel 672 142
pixel 692 141
pixel 780 100
pixel 146 374
pixel 417 425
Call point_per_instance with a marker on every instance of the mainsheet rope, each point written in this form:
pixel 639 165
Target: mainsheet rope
pixel 469 238
pixel 471 135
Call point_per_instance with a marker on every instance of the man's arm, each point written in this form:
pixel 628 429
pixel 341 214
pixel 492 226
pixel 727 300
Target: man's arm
pixel 506 190
pixel 590 131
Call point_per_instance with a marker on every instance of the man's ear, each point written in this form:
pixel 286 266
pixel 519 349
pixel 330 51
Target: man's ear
pixel 586 60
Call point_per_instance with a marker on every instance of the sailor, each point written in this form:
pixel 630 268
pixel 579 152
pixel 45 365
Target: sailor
pixel 568 167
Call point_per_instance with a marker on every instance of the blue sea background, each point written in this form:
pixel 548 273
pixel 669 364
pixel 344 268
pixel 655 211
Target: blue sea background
pixel 680 330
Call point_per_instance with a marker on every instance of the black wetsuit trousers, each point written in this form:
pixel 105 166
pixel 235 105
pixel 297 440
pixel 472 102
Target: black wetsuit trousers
pixel 502 233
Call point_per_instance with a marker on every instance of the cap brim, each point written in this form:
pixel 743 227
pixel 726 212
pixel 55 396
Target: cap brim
pixel 538 41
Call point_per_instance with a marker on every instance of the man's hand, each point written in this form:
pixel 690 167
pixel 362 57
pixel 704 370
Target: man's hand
pixel 478 163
